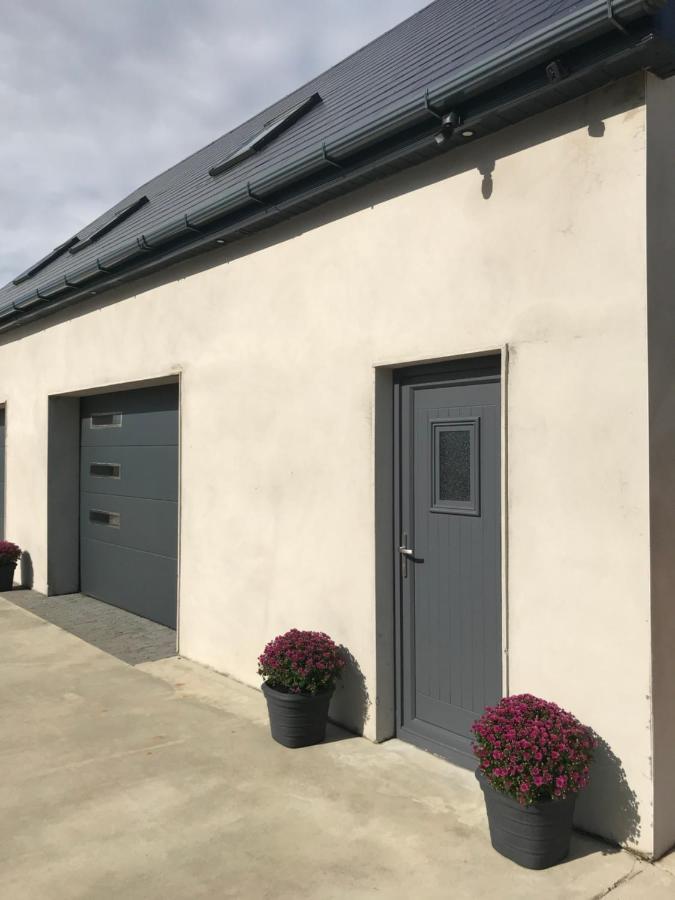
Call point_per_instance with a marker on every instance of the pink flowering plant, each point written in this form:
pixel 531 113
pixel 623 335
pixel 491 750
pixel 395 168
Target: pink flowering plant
pixel 301 662
pixel 9 553
pixel 533 750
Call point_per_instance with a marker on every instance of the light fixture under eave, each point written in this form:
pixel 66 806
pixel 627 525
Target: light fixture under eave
pixel 451 120
pixel 468 133
pixel 220 241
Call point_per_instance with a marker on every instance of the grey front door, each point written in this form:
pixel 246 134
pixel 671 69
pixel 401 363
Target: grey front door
pixel 129 500
pixel 448 511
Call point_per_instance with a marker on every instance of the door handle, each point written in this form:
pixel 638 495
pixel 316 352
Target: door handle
pixel 405 553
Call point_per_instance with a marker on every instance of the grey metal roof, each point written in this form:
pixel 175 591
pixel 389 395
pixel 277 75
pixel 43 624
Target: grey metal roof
pixel 443 39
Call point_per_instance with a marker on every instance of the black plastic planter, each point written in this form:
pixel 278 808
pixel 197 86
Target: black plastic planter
pixel 536 836
pixel 297 720
pixel 7 576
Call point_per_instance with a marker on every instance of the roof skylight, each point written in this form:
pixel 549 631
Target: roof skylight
pixel 269 131
pixel 44 262
pixel 113 223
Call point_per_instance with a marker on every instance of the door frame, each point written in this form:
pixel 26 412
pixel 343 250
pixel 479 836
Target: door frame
pixel 463 369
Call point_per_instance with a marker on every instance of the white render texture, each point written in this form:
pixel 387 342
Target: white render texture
pixel 534 238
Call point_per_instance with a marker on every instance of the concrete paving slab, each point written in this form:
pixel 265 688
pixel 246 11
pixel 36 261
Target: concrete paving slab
pixel 645 882
pixel 121 633
pixel 162 781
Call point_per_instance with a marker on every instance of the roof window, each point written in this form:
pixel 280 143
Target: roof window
pixel 44 262
pixel 270 130
pixel 116 220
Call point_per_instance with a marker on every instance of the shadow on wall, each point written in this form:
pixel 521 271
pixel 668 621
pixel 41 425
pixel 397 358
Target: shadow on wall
pixel 486 167
pixel 609 805
pixel 596 128
pixel 26 570
pixel 487 185
pixel 350 704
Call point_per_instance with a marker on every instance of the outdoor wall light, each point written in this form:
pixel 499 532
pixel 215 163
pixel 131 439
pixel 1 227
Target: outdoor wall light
pixel 468 133
pixel 449 122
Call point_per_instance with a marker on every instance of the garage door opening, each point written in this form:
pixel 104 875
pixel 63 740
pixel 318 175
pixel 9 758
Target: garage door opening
pixel 113 519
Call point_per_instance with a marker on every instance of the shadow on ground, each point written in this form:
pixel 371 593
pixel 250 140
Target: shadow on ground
pixel 128 637
pixel 586 845
pixel 351 701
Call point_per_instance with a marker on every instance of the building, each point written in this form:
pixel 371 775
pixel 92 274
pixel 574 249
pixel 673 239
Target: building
pixel 392 360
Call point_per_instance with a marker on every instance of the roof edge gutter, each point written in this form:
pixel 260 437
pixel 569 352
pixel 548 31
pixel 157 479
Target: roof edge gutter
pixel 600 18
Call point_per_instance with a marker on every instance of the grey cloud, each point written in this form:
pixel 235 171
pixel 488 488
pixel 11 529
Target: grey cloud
pixel 97 97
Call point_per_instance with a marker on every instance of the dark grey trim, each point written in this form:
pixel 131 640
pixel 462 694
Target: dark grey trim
pixel 63 496
pixel 385 669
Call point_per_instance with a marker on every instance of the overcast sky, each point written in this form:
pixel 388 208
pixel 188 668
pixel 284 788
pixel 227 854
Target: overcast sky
pixel 98 96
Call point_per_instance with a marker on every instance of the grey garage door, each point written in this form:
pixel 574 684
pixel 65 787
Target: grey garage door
pixel 129 500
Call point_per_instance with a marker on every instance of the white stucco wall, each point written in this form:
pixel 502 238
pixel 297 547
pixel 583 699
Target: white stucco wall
pixel 277 350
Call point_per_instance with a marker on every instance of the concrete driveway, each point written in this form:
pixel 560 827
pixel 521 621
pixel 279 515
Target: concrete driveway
pixel 161 781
